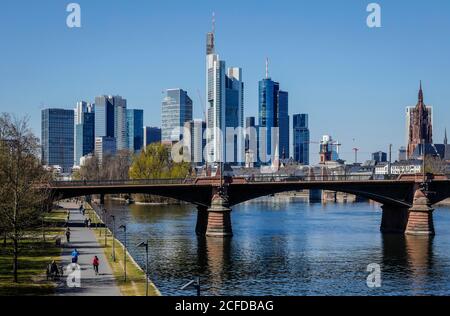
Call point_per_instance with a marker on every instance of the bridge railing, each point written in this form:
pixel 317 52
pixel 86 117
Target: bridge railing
pixel 81 183
pixel 248 179
pixel 284 178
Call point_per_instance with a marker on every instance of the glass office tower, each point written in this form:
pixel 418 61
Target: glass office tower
pixel 151 135
pixel 57 138
pixel 135 129
pixel 176 111
pixel 84 133
pixel 301 138
pixel 273 113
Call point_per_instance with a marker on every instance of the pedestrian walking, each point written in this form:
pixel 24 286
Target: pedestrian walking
pixel 68 234
pixel 75 255
pixel 89 222
pixel 86 222
pixel 95 264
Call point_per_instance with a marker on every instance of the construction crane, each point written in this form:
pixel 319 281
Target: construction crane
pixel 334 143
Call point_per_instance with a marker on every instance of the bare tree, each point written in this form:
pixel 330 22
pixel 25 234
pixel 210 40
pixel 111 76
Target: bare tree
pixel 435 165
pixel 91 169
pixel 23 182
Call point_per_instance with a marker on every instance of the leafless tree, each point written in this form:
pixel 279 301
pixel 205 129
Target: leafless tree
pixel 435 165
pixel 24 184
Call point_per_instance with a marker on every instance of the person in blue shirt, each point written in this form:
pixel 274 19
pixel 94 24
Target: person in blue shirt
pixel 75 255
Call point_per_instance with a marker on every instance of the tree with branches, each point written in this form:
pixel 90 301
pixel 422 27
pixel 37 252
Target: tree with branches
pixel 24 184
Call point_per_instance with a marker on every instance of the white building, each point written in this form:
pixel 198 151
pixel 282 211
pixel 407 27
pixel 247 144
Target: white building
pixel 397 168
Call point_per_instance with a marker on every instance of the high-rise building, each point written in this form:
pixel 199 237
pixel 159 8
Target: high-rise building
pixel 249 123
pixel 135 129
pixel 57 138
pixel 379 156
pixel 120 123
pixel 225 104
pixel 215 106
pixel 273 113
pixel 419 124
pixel 104 146
pixel 283 124
pixel 104 116
pixel 151 135
pixel 176 111
pixel 196 140
pixel 111 119
pixel 402 154
pixel 234 114
pixel 84 132
pixel 301 138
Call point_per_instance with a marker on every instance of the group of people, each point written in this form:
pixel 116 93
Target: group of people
pixel 53 268
pixel 95 261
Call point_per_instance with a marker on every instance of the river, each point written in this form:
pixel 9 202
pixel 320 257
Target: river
pixel 287 248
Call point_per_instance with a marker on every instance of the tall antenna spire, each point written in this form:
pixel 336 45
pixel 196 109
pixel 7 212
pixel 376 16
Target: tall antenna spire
pixel 267 68
pixel 214 23
pixel 445 138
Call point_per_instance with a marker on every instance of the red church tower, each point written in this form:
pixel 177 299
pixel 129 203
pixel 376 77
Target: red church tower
pixel 420 125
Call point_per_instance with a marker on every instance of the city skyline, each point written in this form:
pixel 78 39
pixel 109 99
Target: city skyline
pixel 349 74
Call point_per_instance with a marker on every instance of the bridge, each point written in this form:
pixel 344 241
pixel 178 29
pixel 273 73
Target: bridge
pixel 406 201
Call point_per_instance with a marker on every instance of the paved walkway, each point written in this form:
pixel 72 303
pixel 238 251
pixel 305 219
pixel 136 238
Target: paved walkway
pixel 84 240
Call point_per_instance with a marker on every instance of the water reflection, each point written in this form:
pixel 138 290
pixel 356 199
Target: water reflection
pixel 288 249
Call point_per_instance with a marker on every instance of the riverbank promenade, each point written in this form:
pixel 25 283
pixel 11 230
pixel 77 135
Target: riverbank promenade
pixel 84 240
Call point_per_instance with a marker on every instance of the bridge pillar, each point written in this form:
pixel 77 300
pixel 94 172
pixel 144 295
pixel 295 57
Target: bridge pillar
pixel 394 219
pixel 202 220
pixel 219 218
pixel 420 221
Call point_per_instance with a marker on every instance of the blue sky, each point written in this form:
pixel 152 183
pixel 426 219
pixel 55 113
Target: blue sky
pixel 353 81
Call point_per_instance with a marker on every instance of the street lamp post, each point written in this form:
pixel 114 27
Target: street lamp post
pixel 113 238
pixel 124 227
pixel 105 220
pixel 145 244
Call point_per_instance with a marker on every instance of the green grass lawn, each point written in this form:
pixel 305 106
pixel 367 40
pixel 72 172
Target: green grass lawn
pixel 136 282
pixel 35 254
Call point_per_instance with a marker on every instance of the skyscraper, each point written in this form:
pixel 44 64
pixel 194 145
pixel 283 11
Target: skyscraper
pixel 234 113
pixel 283 124
pixel 301 138
pixel 151 135
pixel 273 113
pixel 379 156
pixel 57 138
pixel 84 132
pixel 120 123
pixel 111 119
pixel 104 146
pixel 419 124
pixel 225 102
pixel 402 154
pixel 216 95
pixel 196 142
pixel 249 123
pixel 135 129
pixel 104 116
pixel 176 111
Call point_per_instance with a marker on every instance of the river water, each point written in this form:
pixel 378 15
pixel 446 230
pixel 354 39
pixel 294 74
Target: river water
pixel 287 248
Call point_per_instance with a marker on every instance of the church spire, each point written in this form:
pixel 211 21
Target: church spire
pixel 420 93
